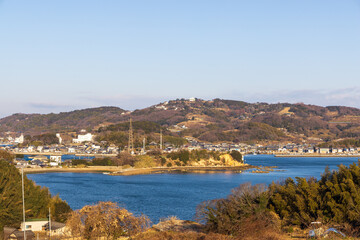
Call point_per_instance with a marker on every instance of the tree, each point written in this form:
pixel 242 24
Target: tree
pixel 106 219
pixel 236 155
pixel 335 198
pixel 5 155
pixel 59 209
pixel 245 206
pixel 125 159
pixel 103 161
pixel 37 199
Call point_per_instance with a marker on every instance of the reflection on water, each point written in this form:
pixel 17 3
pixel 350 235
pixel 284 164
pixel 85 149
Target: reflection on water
pixel 162 195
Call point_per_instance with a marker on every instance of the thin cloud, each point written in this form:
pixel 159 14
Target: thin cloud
pixel 130 102
pixel 46 106
pixel 345 97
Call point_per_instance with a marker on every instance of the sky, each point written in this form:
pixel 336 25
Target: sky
pixel 62 55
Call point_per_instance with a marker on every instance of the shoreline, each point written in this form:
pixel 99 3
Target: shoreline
pixel 119 171
pixel 89 169
pixel 182 169
pixel 318 155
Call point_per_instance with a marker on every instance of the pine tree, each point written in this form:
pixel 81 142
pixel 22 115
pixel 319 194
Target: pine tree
pixel 37 199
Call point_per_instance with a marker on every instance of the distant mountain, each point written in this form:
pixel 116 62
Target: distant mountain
pixel 65 121
pixel 213 121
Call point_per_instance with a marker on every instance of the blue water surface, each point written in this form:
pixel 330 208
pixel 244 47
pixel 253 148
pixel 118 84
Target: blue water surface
pixel 63 157
pixel 162 195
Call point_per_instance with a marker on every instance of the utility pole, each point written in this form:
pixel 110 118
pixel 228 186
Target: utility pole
pixel 131 139
pixel 23 200
pixel 49 223
pixel 144 145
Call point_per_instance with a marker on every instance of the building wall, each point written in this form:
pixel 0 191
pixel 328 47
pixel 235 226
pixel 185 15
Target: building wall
pixel 35 226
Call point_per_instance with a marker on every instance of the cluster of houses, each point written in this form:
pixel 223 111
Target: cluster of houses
pixel 39 161
pixel 84 145
pixel 87 148
pixel 290 148
pixel 12 139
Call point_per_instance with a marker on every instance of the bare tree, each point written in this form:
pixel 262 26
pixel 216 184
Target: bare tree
pixel 106 219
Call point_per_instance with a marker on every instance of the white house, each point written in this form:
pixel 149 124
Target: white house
pixel 35 225
pixel 71 150
pixel 55 161
pixel 19 139
pixel 31 149
pixel 41 225
pixel 84 138
pixel 324 150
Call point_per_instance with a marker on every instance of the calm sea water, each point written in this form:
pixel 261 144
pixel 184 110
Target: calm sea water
pixel 162 195
pixel 63 157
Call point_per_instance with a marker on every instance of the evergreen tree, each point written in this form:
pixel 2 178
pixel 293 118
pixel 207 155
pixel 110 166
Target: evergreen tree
pixel 37 199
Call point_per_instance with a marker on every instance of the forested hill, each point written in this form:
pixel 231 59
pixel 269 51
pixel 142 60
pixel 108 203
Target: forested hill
pixel 65 121
pixel 216 120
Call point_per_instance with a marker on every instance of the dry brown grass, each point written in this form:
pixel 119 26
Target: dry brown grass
pixel 285 111
pixel 152 235
pixel 174 224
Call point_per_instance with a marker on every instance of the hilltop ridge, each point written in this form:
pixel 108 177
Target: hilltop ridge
pixel 215 120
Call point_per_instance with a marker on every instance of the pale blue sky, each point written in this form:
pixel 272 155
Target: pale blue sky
pixel 62 55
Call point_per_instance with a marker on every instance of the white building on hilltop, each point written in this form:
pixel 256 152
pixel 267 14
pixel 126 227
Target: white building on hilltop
pixel 84 138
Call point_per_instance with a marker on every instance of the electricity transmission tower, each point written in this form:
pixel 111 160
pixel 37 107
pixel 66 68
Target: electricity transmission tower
pixel 131 139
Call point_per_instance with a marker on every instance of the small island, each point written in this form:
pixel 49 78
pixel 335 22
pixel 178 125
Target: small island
pixel 154 162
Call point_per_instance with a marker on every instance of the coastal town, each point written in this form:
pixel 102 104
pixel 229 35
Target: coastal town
pixel 180 120
pixel 84 146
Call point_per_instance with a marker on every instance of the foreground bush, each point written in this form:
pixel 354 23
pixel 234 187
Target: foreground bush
pixel 252 211
pixel 334 199
pixel 152 235
pixel 105 219
pixel 242 214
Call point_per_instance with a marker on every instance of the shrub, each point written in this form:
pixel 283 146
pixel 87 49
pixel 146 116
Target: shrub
pixel 162 161
pixel 80 162
pixel 145 162
pixel 103 162
pixel 236 155
pixel 335 198
pixel 105 219
pixel 181 236
pixel 125 159
pixel 7 156
pixel 245 208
